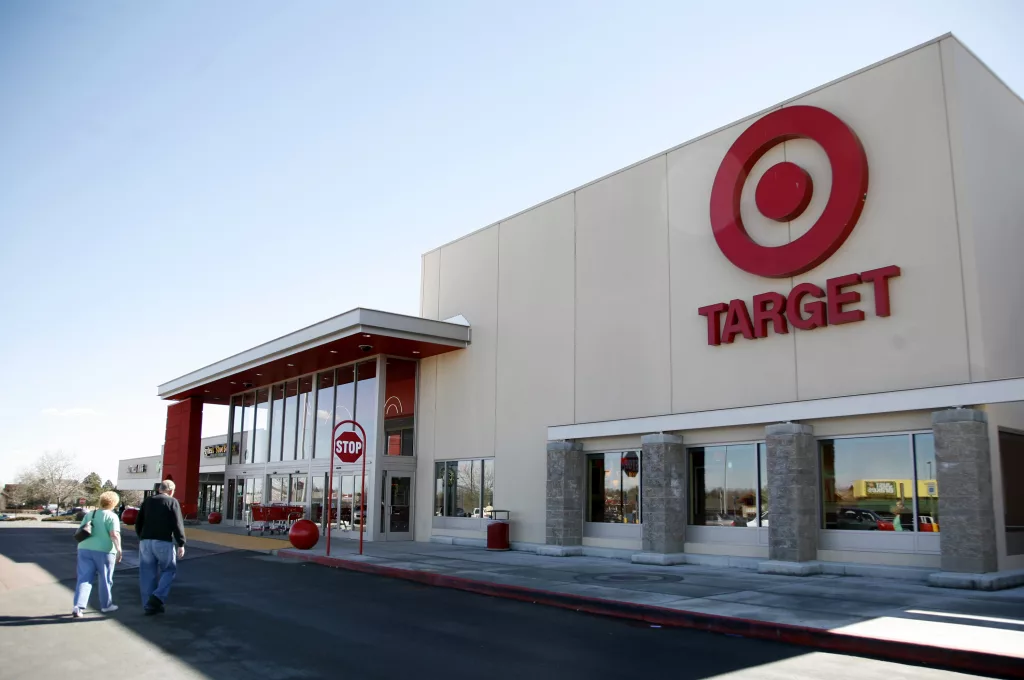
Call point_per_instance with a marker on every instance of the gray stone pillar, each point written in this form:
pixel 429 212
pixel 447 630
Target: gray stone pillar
pixel 565 498
pixel 664 493
pixel 793 520
pixel 967 525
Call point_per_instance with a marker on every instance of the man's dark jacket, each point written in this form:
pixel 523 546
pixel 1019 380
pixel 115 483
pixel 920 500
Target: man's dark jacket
pixel 160 520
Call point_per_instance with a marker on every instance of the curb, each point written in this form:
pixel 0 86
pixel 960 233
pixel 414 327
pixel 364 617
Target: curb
pixel 824 640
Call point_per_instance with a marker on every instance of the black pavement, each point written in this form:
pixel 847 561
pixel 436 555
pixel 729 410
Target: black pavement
pixel 239 614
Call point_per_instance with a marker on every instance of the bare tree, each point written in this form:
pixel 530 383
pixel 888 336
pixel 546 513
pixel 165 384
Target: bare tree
pixel 54 477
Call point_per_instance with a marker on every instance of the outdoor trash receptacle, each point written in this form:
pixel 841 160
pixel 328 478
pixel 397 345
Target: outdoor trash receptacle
pixel 498 531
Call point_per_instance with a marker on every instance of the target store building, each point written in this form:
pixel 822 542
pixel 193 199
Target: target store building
pixel 793 344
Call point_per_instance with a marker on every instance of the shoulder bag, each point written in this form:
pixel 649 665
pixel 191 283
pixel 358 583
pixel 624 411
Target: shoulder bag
pixel 85 531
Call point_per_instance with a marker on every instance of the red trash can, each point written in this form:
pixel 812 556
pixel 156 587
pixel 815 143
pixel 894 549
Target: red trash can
pixel 498 531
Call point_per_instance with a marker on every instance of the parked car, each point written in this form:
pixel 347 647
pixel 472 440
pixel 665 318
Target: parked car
pixel 927 523
pixel 723 520
pixel 858 519
pixel 764 521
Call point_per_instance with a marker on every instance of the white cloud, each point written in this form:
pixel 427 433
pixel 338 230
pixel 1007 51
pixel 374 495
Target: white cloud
pixel 76 412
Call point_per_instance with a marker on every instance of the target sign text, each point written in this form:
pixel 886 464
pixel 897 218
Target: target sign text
pixel 782 195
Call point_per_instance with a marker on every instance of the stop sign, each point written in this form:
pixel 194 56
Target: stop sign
pixel 348 446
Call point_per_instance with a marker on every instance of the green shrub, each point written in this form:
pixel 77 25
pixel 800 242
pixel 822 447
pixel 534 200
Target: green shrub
pixel 20 519
pixel 67 518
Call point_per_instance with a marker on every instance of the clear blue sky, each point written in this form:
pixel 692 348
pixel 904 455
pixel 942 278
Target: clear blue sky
pixel 182 180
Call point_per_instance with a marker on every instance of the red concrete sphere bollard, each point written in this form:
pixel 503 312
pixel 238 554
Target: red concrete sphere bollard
pixel 129 516
pixel 214 518
pixel 304 534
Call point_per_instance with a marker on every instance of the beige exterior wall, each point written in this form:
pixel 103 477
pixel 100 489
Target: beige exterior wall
pixel 986 120
pixel 584 308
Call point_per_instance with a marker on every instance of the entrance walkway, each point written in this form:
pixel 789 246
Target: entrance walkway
pixel 901 620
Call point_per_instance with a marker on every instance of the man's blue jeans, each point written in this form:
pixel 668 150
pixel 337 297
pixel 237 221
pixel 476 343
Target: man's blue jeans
pixel 158 565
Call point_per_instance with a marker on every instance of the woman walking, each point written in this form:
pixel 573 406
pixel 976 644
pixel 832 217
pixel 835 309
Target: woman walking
pixel 97 556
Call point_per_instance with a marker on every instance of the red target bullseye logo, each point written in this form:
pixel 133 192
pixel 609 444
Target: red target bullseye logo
pixel 785 190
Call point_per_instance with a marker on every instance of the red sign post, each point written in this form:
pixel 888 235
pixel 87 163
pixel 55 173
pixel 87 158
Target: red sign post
pixel 349 446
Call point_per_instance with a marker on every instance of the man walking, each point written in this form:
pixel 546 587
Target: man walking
pixel 161 545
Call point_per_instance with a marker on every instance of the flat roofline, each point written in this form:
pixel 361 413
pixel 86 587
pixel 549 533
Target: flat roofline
pixel 358 320
pixel 716 131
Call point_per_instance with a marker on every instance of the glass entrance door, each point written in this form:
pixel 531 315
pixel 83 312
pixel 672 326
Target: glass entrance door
pixel 396 517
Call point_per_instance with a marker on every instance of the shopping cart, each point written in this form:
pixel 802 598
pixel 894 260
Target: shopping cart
pixel 259 519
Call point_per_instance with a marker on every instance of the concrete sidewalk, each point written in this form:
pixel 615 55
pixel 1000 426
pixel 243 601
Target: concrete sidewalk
pixel 968 630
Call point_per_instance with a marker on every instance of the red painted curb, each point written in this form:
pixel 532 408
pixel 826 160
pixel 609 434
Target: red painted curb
pixel 825 640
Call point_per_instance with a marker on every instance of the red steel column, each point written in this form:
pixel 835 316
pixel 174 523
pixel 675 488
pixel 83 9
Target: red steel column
pixel 181 451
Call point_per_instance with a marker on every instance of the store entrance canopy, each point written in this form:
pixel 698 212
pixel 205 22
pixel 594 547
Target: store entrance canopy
pixel 347 337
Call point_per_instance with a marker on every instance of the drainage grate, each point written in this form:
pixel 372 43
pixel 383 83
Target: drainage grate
pixel 629 578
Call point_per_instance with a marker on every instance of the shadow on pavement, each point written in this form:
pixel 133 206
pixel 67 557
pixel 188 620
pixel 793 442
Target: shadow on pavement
pixel 242 614
pixel 40 620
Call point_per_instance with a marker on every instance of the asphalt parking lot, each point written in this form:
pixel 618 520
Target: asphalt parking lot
pixel 240 614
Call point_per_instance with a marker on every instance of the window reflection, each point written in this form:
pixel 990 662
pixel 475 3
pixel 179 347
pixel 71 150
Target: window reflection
pixel 927 484
pixel 278 489
pixel 464 488
pixel 291 405
pixel 762 471
pixel 366 403
pixel 248 422
pixel 724 486
pixel 307 419
pixel 614 481
pixel 236 444
pixel 399 406
pixel 276 421
pixel 867 483
pixel 324 415
pixel 261 434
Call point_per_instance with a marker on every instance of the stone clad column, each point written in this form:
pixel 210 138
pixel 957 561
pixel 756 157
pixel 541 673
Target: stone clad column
pixel 967 525
pixel 664 496
pixel 565 498
pixel 792 500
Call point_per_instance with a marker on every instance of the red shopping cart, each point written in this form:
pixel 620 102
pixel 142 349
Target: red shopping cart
pixel 259 519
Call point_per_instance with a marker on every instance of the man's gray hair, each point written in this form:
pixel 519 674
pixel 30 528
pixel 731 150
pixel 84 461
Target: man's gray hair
pixel 167 486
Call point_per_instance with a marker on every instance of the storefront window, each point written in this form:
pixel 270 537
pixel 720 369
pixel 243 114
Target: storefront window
pixel 235 445
pixel 278 489
pixel 614 484
pixel 868 482
pixel 439 486
pixel 347 497
pixel 488 486
pixel 248 423
pixel 927 485
pixel 276 421
pixel 464 488
pixel 291 409
pixel 261 435
pixel 724 486
pixel 762 471
pixel 399 406
pixel 324 414
pixel 366 403
pixel 467 493
pixel 307 419
pixel 317 484
pixel 298 490
pixel 344 400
